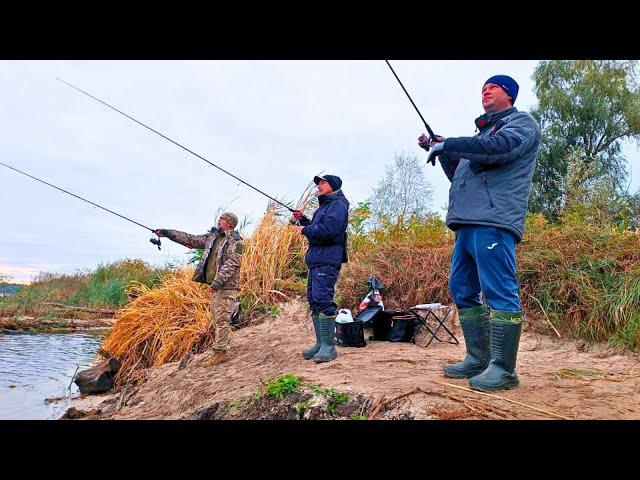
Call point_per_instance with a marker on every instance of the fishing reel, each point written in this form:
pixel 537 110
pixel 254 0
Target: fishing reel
pixel 156 241
pixel 297 222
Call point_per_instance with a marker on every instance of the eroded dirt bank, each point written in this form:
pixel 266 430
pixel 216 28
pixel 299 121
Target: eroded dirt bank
pixel 559 378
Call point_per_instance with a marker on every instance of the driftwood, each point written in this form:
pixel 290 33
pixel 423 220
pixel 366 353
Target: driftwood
pixel 24 322
pixel 101 311
pixel 485 411
pixel 99 378
pixel 382 402
pixel 482 410
pixel 475 392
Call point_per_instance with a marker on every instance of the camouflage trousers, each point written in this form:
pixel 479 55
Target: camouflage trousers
pixel 222 305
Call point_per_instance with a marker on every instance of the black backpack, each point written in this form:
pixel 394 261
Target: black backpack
pixel 350 334
pixel 393 326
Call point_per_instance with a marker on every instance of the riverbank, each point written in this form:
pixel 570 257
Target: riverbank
pixel 559 379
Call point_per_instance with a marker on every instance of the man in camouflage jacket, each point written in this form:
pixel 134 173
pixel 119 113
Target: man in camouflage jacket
pixel 219 268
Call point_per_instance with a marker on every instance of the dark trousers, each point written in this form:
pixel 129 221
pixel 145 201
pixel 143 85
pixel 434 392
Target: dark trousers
pixel 484 259
pixel 321 283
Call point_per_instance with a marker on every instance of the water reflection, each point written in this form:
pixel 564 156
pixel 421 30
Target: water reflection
pixel 37 366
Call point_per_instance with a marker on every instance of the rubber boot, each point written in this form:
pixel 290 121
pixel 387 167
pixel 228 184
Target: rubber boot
pixel 505 338
pixel 310 352
pixel 475 327
pixel 327 350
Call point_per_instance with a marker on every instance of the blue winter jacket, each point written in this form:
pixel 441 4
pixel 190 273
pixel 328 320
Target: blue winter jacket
pixel 491 174
pixel 327 231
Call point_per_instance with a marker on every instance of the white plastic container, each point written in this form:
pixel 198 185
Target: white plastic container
pixel 344 316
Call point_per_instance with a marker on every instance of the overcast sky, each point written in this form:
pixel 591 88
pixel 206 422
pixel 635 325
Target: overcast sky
pixel 273 123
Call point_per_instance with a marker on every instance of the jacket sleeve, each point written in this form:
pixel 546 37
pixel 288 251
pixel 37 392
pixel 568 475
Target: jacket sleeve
pixel 449 163
pixel 506 145
pixel 329 225
pixel 304 221
pixel 186 239
pixel 231 264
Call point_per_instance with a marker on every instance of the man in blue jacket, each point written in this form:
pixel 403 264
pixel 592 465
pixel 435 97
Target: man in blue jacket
pixel 491 176
pixel 327 235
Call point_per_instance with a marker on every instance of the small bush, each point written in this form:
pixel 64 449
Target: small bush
pixel 281 386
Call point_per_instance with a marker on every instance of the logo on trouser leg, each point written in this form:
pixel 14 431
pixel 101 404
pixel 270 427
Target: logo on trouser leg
pixel 490 247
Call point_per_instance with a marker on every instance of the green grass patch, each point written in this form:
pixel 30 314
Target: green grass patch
pixel 104 287
pixel 281 386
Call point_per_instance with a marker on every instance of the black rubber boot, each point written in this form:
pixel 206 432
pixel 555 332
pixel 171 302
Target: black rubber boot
pixel 327 350
pixel 505 338
pixel 475 327
pixel 310 352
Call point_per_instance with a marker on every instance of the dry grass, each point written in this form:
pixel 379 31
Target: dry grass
pixel 103 287
pixel 585 279
pixel 576 373
pixel 161 324
pixel 272 266
pixel 412 274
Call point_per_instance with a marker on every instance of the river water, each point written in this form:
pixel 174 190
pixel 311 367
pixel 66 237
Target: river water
pixel 39 366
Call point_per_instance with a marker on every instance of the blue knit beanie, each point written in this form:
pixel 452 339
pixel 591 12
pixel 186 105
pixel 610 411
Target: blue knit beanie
pixel 508 84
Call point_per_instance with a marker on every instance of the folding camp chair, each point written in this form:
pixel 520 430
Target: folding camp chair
pixel 424 332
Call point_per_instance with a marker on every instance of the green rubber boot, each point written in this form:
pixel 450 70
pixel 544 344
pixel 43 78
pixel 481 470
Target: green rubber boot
pixel 505 338
pixel 327 350
pixel 475 327
pixel 310 352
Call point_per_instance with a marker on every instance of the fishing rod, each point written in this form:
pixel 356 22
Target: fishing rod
pixel 152 240
pixel 178 144
pixel 433 135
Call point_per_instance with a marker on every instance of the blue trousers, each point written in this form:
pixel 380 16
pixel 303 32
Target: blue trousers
pixel 484 260
pixel 321 283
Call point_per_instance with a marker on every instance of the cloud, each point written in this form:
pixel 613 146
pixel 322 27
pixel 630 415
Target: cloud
pixel 273 123
pixel 24 274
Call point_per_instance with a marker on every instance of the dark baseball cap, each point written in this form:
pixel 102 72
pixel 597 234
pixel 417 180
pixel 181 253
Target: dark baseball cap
pixel 333 180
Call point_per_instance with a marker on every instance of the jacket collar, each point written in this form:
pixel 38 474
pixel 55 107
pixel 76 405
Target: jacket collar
pixel 489 119
pixel 333 196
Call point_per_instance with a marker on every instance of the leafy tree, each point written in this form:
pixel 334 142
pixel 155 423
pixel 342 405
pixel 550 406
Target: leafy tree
pixel 601 203
pixel 403 193
pixel 586 109
pixel 358 217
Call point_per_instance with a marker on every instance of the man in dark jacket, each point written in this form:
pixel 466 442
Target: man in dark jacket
pixel 327 235
pixel 491 176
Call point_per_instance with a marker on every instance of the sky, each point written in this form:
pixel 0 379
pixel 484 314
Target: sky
pixel 275 124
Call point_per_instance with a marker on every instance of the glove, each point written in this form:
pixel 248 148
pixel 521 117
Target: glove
pixel 436 150
pixel 426 142
pixel 161 232
pixel 215 285
pixel 298 217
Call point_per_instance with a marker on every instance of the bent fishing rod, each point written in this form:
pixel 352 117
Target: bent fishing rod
pixel 176 143
pixel 152 240
pixel 433 135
